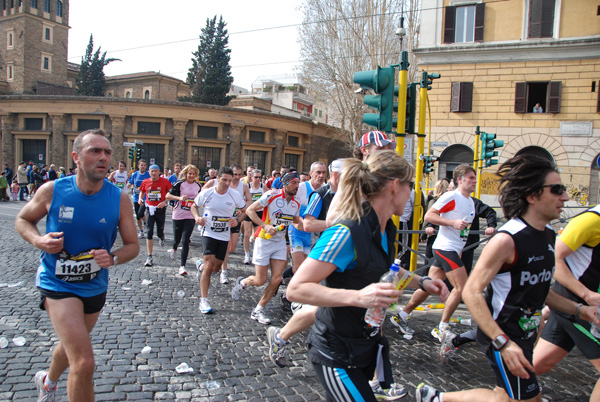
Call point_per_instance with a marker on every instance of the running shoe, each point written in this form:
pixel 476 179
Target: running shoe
pixel 277 347
pixel 396 391
pixel 236 292
pixel 401 324
pixel 148 261
pixel 199 268
pixel 436 333
pixel 447 347
pixel 260 317
pixel 247 258
pixel 44 393
pixel 296 306
pixel 425 393
pixel 182 271
pixel 204 307
pixel 161 241
pixel 286 305
pixel 171 253
pixel 141 234
pixel 224 279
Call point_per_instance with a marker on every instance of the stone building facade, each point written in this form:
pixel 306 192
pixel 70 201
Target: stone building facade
pixel 497 60
pixel 147 85
pixel 42 129
pixel 33 44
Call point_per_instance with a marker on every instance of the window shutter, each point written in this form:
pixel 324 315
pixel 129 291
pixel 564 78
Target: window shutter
pixel 554 91
pixel 466 97
pixel 449 23
pixel 479 20
pixel 535 18
pixel 520 97
pixel 455 97
pixel 598 104
pixel 547 27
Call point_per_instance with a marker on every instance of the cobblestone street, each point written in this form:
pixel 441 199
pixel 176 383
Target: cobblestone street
pixel 227 350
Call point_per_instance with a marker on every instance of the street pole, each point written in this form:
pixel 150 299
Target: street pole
pixel 476 161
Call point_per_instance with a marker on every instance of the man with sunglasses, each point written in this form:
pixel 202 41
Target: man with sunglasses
pixel 257 189
pixel 577 275
pixel 515 269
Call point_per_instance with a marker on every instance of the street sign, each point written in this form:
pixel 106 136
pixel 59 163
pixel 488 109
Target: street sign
pixel 139 142
pixel 129 144
pixel 152 161
pixel 207 163
pixel 40 156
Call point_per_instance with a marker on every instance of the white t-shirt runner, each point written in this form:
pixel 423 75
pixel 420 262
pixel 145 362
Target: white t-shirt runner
pixel 256 193
pixel 453 205
pixel 120 180
pixel 218 208
pixel 277 211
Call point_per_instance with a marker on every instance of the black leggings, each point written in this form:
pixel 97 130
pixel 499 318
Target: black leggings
pixel 345 385
pixel 183 228
pixel 159 218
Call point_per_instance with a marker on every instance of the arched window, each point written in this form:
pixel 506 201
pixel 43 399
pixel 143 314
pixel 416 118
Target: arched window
pixel 47 6
pixel 147 94
pixel 59 8
pixel 128 94
pixel 33 3
pixel 537 151
pixel 453 156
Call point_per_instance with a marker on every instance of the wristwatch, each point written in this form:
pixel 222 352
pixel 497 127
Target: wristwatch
pixel 115 259
pixel 500 341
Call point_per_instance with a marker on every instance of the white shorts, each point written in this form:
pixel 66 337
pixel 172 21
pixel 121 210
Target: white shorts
pixel 267 250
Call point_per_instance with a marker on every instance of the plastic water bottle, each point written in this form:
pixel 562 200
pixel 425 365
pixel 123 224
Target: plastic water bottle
pixel 596 328
pixel 465 232
pixel 376 315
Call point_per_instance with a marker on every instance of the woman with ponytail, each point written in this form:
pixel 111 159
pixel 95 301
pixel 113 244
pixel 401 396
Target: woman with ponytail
pixel 350 257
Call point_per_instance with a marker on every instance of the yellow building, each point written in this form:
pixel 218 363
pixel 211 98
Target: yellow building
pixel 498 59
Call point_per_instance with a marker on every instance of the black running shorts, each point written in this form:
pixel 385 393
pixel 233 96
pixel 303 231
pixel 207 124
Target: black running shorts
pixel 91 304
pixel 565 333
pixel 218 248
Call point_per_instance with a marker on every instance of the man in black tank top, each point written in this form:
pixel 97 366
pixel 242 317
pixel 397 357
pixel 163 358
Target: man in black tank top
pixel 515 270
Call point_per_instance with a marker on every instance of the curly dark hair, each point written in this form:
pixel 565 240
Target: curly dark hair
pixel 520 177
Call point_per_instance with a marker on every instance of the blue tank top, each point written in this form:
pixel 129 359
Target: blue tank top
pixel 88 222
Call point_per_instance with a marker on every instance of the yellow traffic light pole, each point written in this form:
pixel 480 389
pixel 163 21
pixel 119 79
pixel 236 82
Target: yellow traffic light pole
pixel 419 168
pixel 401 124
pixel 476 163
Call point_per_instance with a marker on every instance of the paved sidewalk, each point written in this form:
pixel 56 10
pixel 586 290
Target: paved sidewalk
pixel 227 350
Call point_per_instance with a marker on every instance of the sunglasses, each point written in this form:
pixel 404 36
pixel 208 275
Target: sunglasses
pixel 558 189
pixel 257 177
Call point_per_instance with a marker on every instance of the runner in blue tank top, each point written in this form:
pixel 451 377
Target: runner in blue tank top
pixel 83 214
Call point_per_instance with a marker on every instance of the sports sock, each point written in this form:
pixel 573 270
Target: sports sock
pixel 49 384
pixel 443 326
pixel 404 315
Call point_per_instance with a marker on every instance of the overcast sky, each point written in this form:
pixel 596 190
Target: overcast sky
pixel 127 28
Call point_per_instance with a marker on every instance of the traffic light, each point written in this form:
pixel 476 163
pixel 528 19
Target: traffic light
pixel 381 81
pixel 131 153
pixel 427 79
pixel 138 154
pixel 488 144
pixel 411 107
pixel 428 162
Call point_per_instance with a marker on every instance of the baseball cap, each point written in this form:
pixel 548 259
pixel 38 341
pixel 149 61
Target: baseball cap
pixel 374 137
pixel 336 165
pixel 154 167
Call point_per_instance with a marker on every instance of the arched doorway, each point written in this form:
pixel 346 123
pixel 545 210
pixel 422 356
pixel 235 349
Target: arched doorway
pixel 453 156
pixel 594 196
pixel 537 151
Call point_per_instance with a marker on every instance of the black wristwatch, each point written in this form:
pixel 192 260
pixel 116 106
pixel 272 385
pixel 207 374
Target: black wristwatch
pixel 500 341
pixel 423 279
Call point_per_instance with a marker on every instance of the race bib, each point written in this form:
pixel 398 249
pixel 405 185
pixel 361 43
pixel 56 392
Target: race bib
pixel 220 224
pixel 283 219
pixel 120 185
pixel 136 190
pixel 529 322
pixel 187 204
pixel 154 195
pixel 76 268
pixel 256 196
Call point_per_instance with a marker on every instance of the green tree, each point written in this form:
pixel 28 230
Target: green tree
pixel 210 75
pixel 91 79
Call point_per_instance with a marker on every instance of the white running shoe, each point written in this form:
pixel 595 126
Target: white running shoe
pixel 199 268
pixel 44 393
pixel 204 307
pixel 237 289
pixel 247 258
pixel 260 317
pixel 141 234
pixel 171 253
pixel 182 271
pixel 148 261
pixel 436 333
pixel 224 279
